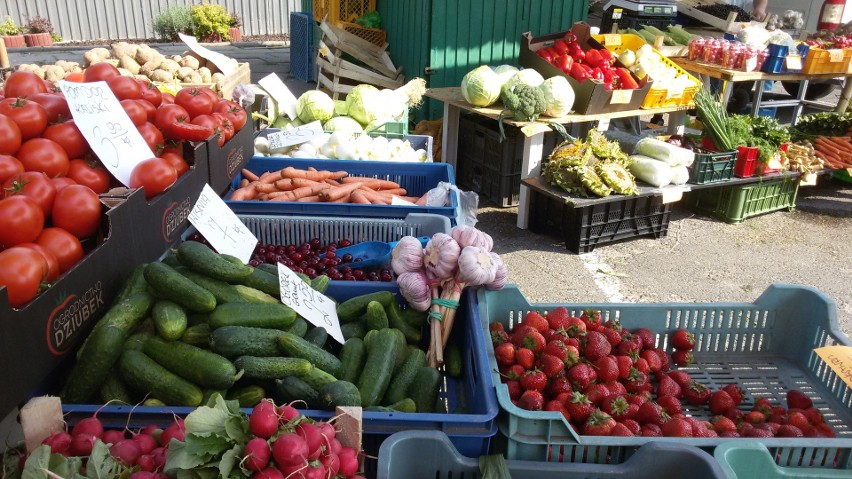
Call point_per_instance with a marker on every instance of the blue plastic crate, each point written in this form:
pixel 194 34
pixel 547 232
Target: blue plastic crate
pixel 430 455
pixel 416 178
pixel 302 59
pixel 766 347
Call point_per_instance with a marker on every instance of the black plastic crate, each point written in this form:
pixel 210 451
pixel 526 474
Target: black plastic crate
pixel 587 227
pixel 631 20
pixel 712 166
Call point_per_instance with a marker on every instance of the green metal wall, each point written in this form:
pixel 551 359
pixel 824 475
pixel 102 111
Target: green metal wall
pixel 454 36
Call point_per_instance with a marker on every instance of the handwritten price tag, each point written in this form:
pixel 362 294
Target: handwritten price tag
pixel 793 62
pixel 225 64
pixel 672 195
pixel 612 40
pixel 839 359
pixel 835 55
pixel 397 201
pixel 309 303
pixel 280 93
pixel 296 136
pixel 621 97
pixel 221 227
pixel 106 127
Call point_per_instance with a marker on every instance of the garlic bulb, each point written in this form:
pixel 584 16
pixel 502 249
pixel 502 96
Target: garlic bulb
pixel 476 266
pixel 414 287
pixel 500 275
pixel 407 255
pixel 470 236
pixel 442 255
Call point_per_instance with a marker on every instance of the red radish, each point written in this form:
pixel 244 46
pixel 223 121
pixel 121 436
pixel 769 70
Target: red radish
pixel 318 472
pixel 142 475
pixel 290 449
pixel 357 477
pixel 312 436
pixel 90 425
pixel 113 436
pixel 331 463
pixel 126 451
pixel 334 446
pixel 294 472
pixel 145 442
pixel 59 442
pixel 268 473
pixel 257 454
pixel 81 444
pixel 147 463
pixel 161 475
pixel 348 465
pixel 177 431
pixel 263 421
pixel 160 455
pixel 151 430
pixel 326 431
pixel 287 413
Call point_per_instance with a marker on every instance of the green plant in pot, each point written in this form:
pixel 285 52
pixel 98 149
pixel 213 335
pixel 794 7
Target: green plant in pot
pixel 39 32
pixel 211 22
pixel 11 33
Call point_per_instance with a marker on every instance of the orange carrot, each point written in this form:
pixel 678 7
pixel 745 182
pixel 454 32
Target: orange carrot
pixel 309 199
pixel 244 182
pixel 301 182
pixel 249 175
pixel 311 168
pixel 375 197
pixel 244 194
pixel 276 194
pixel 305 191
pixel 394 192
pixel 372 183
pixel 270 177
pixel 331 182
pixel 358 197
pixel 421 201
pixel 291 172
pixel 839 142
pixel 342 191
pixel 265 187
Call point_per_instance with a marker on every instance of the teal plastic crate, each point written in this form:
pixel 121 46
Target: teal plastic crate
pixel 765 346
pixel 431 455
pixel 745 459
pixel 734 204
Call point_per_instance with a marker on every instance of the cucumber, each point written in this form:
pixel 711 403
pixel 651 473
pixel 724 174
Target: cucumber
pixel 353 308
pixel 378 369
pixel 194 319
pixel 169 319
pixel 297 347
pixel 248 396
pixel 234 341
pixel 425 388
pixel 412 334
pixel 135 284
pixel 200 258
pixel 292 389
pixel 320 283
pixel 299 327
pixel 198 335
pixel 128 314
pixel 268 268
pixel 340 393
pixel 114 389
pixel 222 291
pixel 316 336
pixel 414 318
pixel 136 341
pixel 263 281
pixel 252 315
pixel 146 326
pixel 272 368
pixel 453 360
pixel 357 329
pixel 170 284
pixel 147 377
pixel 153 402
pixel 376 317
pixel 317 378
pixel 251 295
pixel 398 389
pixel 406 405
pixel 199 366
pixel 171 260
pixel 352 357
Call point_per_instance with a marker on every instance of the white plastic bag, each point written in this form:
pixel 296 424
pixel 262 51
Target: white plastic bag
pixel 468 202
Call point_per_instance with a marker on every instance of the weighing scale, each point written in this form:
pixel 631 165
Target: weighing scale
pixel 635 13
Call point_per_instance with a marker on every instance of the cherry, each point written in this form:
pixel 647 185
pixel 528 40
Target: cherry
pixel 297 270
pixel 260 251
pixel 347 258
pixel 356 260
pixel 295 257
pixel 316 243
pixel 346 270
pixel 331 255
pixel 303 264
pixel 290 249
pixel 271 256
pixel 305 246
pixel 332 272
pixel 270 246
pixel 349 277
pixel 359 274
pixel 281 250
pixel 344 243
pixel 254 263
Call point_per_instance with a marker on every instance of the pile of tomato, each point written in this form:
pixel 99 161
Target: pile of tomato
pixel 51 179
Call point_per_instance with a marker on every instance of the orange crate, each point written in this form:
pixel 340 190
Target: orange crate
pixel 656 97
pixel 340 11
pixel 828 61
pixel 375 36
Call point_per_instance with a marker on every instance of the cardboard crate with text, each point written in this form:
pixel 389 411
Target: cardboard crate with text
pixel 226 161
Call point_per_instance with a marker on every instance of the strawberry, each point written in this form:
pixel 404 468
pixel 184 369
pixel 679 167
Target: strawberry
pixel 637 382
pixel 736 415
pixel 515 372
pixel 797 399
pixel 499 337
pixel 535 380
pixel 737 393
pixel 729 434
pixel 682 358
pixel 550 365
pixel 683 340
pixel 596 393
pixel 607 368
pixel 651 413
pixel 814 415
pixel 797 419
pixel 720 401
pixel 677 427
pixel 559 385
pixel 665 362
pixel 629 344
pixel 525 357
pixel 613 324
pixel 572 355
pixel 621 430
pixel 596 346
pixel 653 359
pixel 591 317
pixel 682 378
pixel 533 340
pixel 668 387
pixel 517 336
pixel 787 430
pixel 616 388
pixel 758 432
pixel 651 430
pixel 647 337
pixel 722 424
pixel 671 405
pixel 624 366
pixel 763 402
pixel 579 407
pixel 581 375
pixel 619 408
pixel 613 336
pixel 558 318
pixel 515 389
pixel 553 405
pixel 496 326
pixel 825 429
pixel 505 354
pixel 702 428
pixel 598 424
pixel 755 417
pixel 633 426
pixel 531 400
pixel 556 347
pixel 639 399
pixel 642 366
pixel 537 321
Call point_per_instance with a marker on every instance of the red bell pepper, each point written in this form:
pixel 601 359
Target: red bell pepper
pixel 597 74
pixel 593 58
pixel 570 38
pixel 607 56
pixel 544 53
pixel 579 73
pixel 564 63
pixel 608 74
pixel 626 79
pixel 560 46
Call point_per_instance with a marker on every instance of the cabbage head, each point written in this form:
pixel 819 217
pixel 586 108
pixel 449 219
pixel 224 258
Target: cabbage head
pixel 527 76
pixel 314 105
pixel 343 123
pixel 505 72
pixel 361 103
pixel 481 86
pixel 559 96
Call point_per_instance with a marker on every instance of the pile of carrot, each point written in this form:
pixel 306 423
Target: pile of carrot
pixel 835 151
pixel 295 185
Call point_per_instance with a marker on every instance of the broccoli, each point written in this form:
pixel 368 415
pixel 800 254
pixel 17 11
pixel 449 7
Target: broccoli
pixel 526 102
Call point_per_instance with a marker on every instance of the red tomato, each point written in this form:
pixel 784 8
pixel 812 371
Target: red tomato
pixel 21 83
pixel 9 167
pixel 54 104
pixel 174 146
pixel 29 115
pixel 208 121
pixel 151 134
pixel 195 101
pixel 167 98
pixel 151 93
pixel 34 185
pixel 189 132
pixel 170 114
pixel 69 138
pixel 150 109
pixel 47 156
pixel 65 246
pixel 92 175
pixel 76 77
pixel 21 221
pixel 10 136
pixel 155 175
pixel 77 209
pixel 61 182
pixel 135 111
pixel 100 72
pixel 125 88
pixel 177 161
pixel 21 272
pixel 52 264
pixel 227 126
pixel 233 111
pixel 212 94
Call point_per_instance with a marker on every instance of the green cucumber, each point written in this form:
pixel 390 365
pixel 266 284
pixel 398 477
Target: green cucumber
pixel 222 291
pixel 356 329
pixel 147 377
pixel 378 369
pixel 268 268
pixel 398 389
pixel 234 341
pixel 194 319
pixel 171 260
pixel 317 378
pixel 146 326
pixel 135 284
pixel 425 388
pixel 316 336
pixel 170 284
pixel 376 317
pixel 204 260
pixel 128 314
pixel 291 389
pixel 263 281
pixel 299 327
pixel 251 295
pixel 248 396
pixel 198 335
pixel 272 368
pixel 136 341
pixel 320 283
pixel 453 360
pixel 352 357
pixel 414 318
pixel 114 389
pixel 353 308
pixel 295 346
pixel 340 393
pixel 252 315
pixel 169 319
pixel 153 402
pixel 406 405
pixel 412 334
pixel 199 366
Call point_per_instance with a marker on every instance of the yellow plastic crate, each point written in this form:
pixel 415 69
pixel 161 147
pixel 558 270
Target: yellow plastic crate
pixel 341 11
pixel 375 36
pixel 828 61
pixel 656 97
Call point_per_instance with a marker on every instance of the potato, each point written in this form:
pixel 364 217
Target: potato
pixel 112 61
pixel 54 73
pixel 95 55
pixel 206 75
pixel 217 78
pixel 161 75
pixel 142 77
pixel 76 69
pixel 190 61
pixel 67 66
pixel 122 49
pixel 170 66
pixel 193 77
pixel 153 64
pixel 32 68
pixel 128 63
pixel 184 72
pixel 145 54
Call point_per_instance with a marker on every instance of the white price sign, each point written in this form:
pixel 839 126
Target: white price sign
pixel 397 201
pixel 309 303
pixel 221 226
pixel 226 65
pixel 296 136
pixel 280 93
pixel 106 127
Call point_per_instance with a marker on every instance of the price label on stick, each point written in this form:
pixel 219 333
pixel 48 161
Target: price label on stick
pixel 106 127
pixel 309 303
pixel 225 64
pixel 296 136
pixel 280 93
pixel 621 97
pixel 221 226
pixel 839 359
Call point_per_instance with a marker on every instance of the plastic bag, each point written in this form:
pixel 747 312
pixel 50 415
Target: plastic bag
pixel 465 210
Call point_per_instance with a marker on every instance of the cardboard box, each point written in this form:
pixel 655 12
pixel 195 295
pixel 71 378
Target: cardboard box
pixel 43 333
pixel 590 96
pixel 225 162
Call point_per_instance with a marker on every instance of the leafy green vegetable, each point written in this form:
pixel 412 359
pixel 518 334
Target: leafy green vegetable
pixel 822 124
pixel 41 464
pixel 370 20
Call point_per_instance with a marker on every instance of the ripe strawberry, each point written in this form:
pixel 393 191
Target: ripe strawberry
pixel 556 347
pixel 677 427
pixel 550 365
pixel 665 362
pixel 736 415
pixel 499 337
pixel 619 408
pixel 596 393
pixel 553 405
pixel 797 419
pixel 639 399
pixel 647 336
pixel 579 407
pixel 576 328
pixel 637 382
pixel 496 326
pixel 642 366
pixel 505 354
pixel 797 399
pixel 613 336
pixel 722 424
pixel 598 424
pixel 825 429
pixel 629 344
pixel 737 393
pixel 682 378
pixel 559 385
pixel 720 401
pixel 525 357
pixel 558 318
pixel 607 368
pixel 515 372
pixel 702 428
pixel 755 417
pixel 537 321
pixel 624 366
pixel 787 430
pixel 814 415
pixel 729 434
pixel 621 430
pixel 633 426
pixel 613 324
pixel 668 387
pixel 651 413
pixel 531 400
pixel 591 317
pixel 533 340
pixel 683 358
pixel 616 388
pixel 758 432
pixel 764 402
pixel 515 389
pixel 683 340
pixel 596 346
pixel 534 379
pixel 653 359
pixel 651 430
pixel 572 356
pixel 671 405
pixel 517 336
pixel 581 375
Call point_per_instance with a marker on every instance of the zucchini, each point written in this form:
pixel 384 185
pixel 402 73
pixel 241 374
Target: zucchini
pixel 398 389
pixel 356 329
pixel 252 315
pixel 453 360
pixel 406 405
pixel 199 366
pixel 272 368
pixel 222 291
pixel 114 389
pixel 376 317
pixel 352 357
pixel 425 388
pixel 169 319
pixel 340 393
pixel 412 334
pixel 200 258
pixel 317 378
pixel 316 336
pixel 148 377
pixel 299 327
pixel 320 283
pixel 292 389
pixel 353 308
pixel 295 346
pixel 234 341
pixel 198 335
pixel 248 396
pixel 378 369
pixel 170 284
pixel 251 295
pixel 263 281
pixel 135 284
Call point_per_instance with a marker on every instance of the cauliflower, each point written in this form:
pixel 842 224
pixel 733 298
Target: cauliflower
pixel 526 102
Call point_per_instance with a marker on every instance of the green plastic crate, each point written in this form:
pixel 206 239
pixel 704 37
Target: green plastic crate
pixel 733 204
pixel 744 459
pixel 765 346
pixel 712 166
